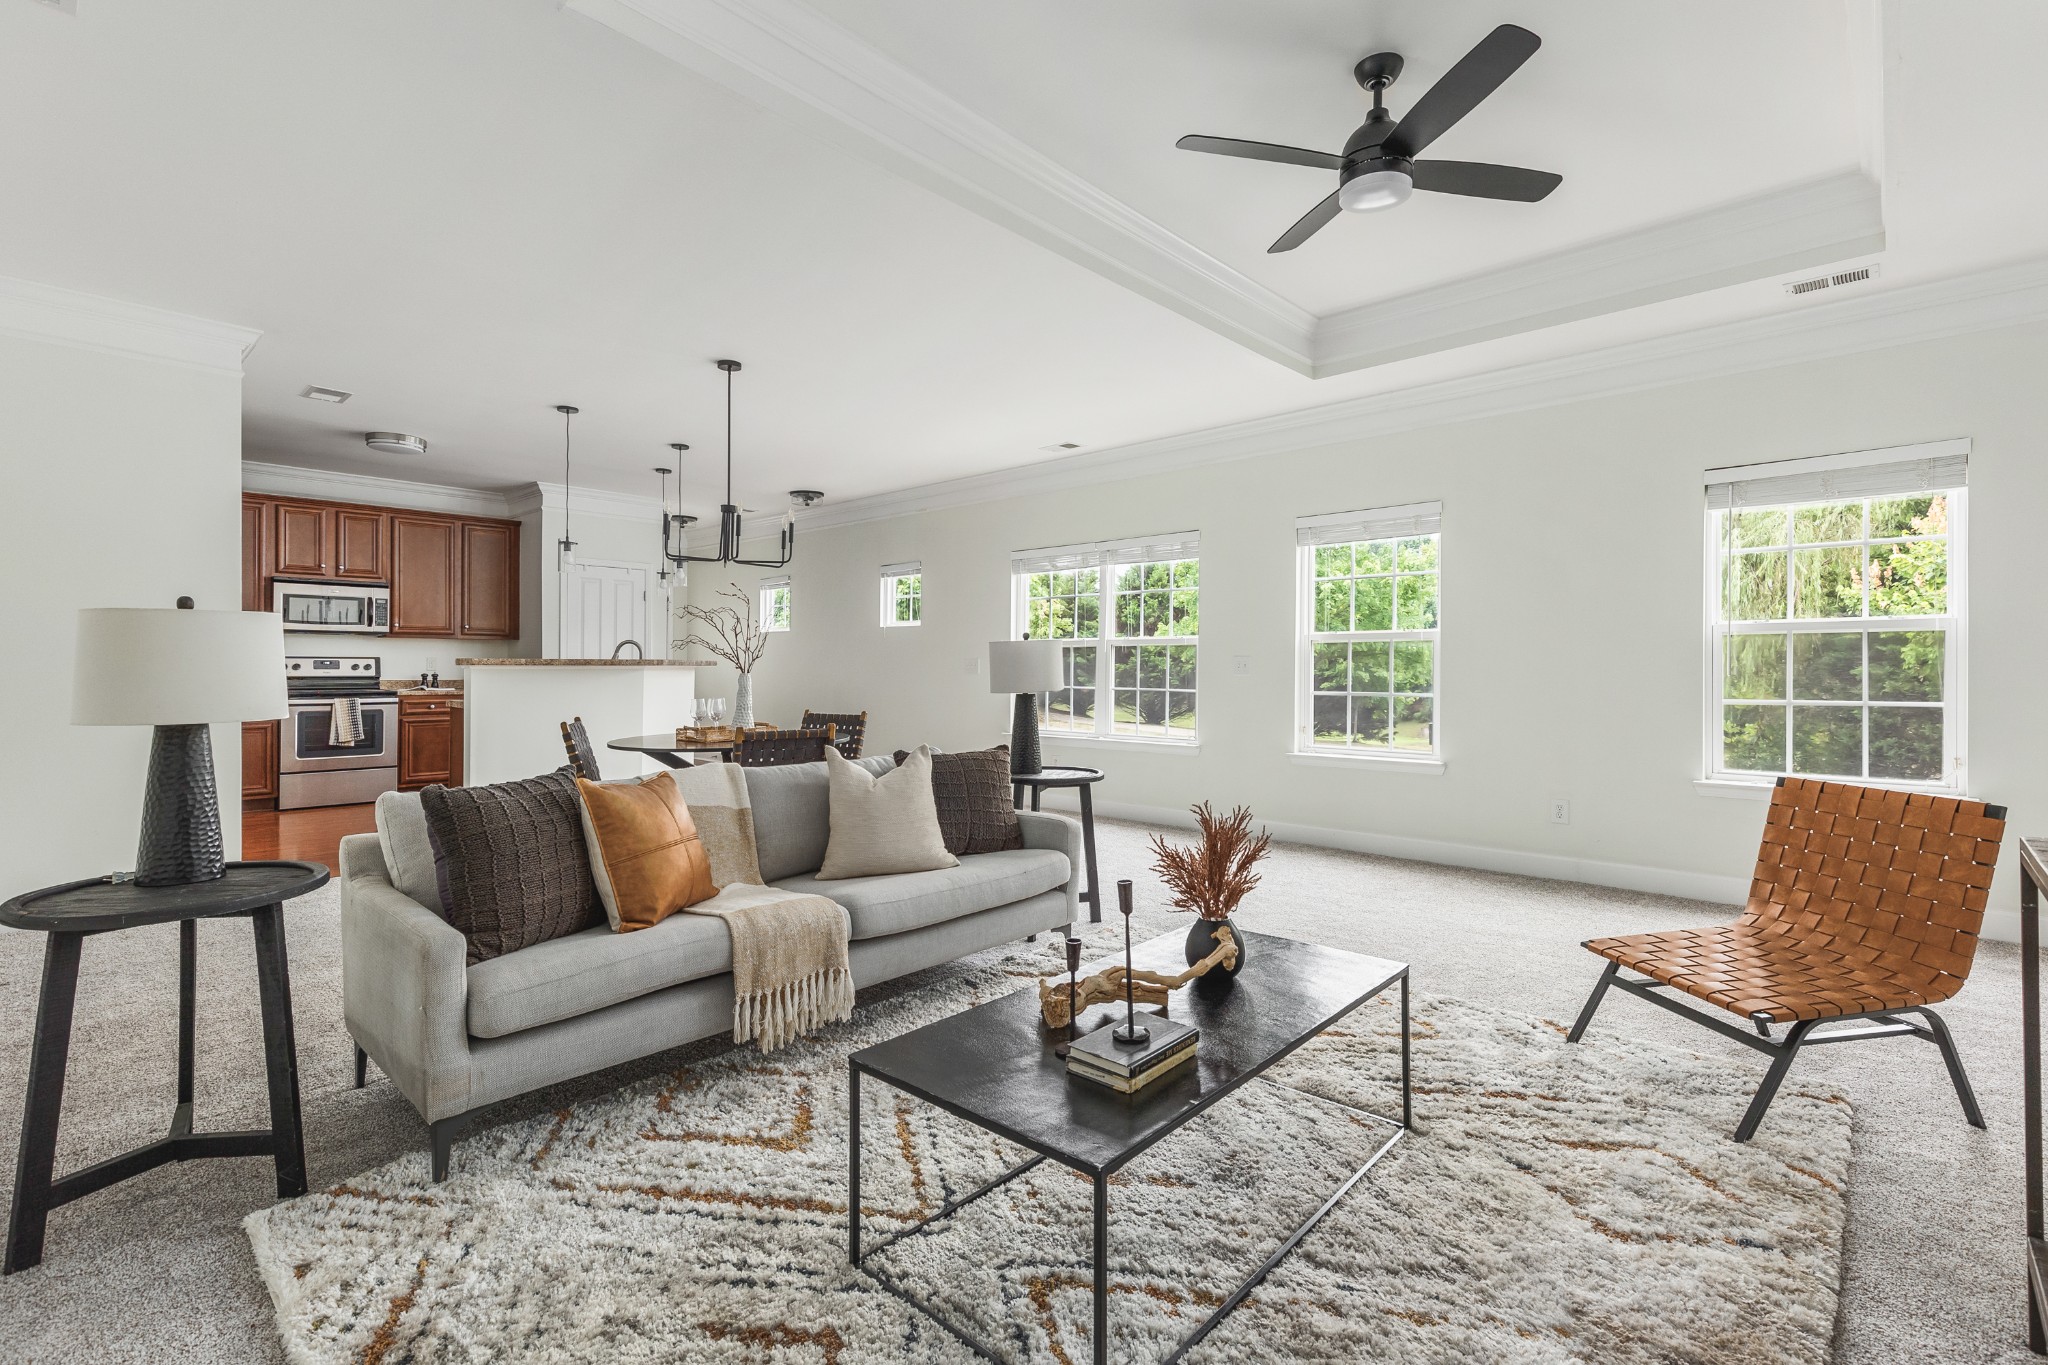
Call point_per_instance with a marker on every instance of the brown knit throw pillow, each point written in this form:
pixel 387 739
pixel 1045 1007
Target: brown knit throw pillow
pixel 977 813
pixel 518 869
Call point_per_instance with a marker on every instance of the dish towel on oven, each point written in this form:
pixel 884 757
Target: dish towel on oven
pixel 345 721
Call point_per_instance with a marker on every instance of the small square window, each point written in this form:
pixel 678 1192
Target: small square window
pixel 903 598
pixel 775 606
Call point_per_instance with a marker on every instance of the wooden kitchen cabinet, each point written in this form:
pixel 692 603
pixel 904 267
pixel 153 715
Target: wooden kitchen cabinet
pixel 257 556
pixel 451 576
pixel 427 742
pixel 305 540
pixel 259 762
pixel 360 540
pixel 490 580
pixel 424 574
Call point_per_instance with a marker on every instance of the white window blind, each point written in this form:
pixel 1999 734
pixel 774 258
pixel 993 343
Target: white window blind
pixel 1144 549
pixel 1379 523
pixel 779 581
pixel 903 570
pixel 1895 472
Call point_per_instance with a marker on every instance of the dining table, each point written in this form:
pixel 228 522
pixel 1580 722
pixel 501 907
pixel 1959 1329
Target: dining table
pixel 666 749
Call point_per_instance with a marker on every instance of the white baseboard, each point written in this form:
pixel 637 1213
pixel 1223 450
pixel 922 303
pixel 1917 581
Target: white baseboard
pixel 2000 925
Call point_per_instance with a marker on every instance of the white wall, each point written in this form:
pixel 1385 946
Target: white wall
pixel 120 482
pixel 1596 504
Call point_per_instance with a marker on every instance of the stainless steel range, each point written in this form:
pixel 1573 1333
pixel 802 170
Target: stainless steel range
pixel 321 761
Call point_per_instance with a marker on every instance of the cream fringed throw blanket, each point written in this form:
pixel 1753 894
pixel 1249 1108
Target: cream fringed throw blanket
pixel 789 967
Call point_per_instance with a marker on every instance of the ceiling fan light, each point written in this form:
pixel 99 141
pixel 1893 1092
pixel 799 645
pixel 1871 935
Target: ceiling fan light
pixel 1372 190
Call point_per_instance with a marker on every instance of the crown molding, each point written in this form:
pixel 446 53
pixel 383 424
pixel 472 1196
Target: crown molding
pixel 2009 296
pixel 44 312
pixel 1822 222
pixel 327 485
pixel 788 58
pixel 592 502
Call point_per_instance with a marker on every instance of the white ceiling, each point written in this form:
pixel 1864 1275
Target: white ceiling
pixel 468 211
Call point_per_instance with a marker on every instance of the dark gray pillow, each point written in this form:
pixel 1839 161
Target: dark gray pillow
pixel 517 870
pixel 977 811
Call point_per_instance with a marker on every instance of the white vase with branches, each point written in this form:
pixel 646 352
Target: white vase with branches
pixel 731 634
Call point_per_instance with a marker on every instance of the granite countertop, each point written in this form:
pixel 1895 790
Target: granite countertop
pixel 583 663
pixel 405 687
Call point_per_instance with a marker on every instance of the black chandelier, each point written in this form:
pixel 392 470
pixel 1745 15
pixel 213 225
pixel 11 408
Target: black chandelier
pixel 675 526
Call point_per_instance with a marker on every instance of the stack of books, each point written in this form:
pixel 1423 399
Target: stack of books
pixel 1098 1057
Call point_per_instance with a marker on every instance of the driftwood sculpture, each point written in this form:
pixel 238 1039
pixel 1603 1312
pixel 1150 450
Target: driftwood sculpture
pixel 1107 986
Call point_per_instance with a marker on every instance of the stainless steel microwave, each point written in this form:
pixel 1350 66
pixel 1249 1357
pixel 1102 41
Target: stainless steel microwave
pixel 314 604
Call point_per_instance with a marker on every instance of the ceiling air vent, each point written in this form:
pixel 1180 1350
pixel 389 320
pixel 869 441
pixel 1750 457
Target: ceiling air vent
pixel 315 392
pixel 1834 281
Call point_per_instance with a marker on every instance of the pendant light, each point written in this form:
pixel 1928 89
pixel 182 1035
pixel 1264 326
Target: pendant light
pixel 729 524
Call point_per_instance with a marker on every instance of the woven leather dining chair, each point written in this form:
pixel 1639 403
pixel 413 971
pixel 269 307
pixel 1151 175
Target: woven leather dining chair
pixel 1865 905
pixel 774 748
pixel 582 758
pixel 852 728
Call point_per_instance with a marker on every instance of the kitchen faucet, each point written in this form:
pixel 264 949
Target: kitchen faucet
pixel 619 648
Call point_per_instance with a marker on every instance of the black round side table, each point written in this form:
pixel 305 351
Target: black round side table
pixel 68 914
pixel 1084 779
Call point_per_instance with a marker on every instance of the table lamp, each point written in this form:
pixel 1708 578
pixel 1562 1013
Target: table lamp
pixel 1026 668
pixel 178 670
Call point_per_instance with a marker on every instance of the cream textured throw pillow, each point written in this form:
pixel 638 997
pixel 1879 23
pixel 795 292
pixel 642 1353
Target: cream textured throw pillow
pixel 882 825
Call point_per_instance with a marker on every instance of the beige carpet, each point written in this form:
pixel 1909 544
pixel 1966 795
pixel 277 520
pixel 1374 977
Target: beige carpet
pixel 160 1268
pixel 1557 1203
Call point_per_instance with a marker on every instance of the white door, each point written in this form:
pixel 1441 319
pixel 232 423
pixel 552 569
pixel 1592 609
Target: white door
pixel 602 604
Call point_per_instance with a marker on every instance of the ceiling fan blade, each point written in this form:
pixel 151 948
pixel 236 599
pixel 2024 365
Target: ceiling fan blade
pixel 1478 74
pixel 1311 223
pixel 1261 151
pixel 1483 181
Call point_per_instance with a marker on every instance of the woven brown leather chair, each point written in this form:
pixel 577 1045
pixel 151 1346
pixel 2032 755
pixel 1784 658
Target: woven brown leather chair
pixel 852 728
pixel 1865 904
pixel 582 758
pixel 774 748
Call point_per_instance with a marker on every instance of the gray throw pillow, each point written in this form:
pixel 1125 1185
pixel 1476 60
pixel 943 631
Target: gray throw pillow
pixel 977 806
pixel 517 869
pixel 408 850
pixel 882 824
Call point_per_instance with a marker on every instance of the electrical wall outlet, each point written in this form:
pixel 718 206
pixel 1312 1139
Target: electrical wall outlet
pixel 1560 810
pixel 1240 663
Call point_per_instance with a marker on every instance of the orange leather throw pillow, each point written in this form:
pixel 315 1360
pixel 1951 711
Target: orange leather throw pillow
pixel 644 851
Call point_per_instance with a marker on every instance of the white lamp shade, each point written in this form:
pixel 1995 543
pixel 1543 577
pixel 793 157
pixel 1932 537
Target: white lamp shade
pixel 1025 666
pixel 151 666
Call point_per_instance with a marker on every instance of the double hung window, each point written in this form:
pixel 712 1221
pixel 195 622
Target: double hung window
pixel 775 603
pixel 1370 616
pixel 1131 611
pixel 1835 609
pixel 902 594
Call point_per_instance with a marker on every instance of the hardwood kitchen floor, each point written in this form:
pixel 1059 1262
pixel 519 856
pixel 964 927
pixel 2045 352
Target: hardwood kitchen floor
pixel 305 835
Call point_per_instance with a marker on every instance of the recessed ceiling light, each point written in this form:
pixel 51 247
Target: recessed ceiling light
pixel 1063 445
pixel 395 442
pixel 315 392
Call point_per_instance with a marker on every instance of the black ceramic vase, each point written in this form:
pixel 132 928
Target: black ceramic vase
pixel 1202 942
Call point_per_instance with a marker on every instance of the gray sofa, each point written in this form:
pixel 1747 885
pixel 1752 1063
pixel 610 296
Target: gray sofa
pixel 455 1038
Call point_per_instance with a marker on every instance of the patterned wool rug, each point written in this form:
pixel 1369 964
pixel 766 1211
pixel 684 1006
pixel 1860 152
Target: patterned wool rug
pixel 1556 1204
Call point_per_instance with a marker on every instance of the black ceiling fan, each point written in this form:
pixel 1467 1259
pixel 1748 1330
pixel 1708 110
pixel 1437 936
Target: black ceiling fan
pixel 1378 168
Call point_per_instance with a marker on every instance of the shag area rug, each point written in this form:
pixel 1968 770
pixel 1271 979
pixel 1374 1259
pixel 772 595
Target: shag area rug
pixel 1556 1203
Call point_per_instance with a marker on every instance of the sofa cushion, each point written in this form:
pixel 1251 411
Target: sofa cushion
pixel 977 806
pixel 644 851
pixel 518 871
pixel 565 977
pixel 883 824
pixel 793 814
pixel 408 851
pixel 880 906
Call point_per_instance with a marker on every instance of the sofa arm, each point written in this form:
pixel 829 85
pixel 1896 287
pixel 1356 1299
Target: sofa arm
pixel 1042 829
pixel 404 985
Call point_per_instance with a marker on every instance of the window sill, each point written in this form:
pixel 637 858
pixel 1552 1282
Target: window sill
pixel 1189 747
pixel 1430 767
pixel 1733 789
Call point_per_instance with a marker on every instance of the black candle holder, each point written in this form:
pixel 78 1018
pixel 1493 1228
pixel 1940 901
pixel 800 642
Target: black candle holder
pixel 1130 1033
pixel 1065 1046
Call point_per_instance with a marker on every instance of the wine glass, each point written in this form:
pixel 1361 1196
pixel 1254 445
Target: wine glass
pixel 718 710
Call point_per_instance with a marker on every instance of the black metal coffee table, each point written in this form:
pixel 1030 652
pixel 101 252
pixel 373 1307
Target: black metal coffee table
pixel 994 1066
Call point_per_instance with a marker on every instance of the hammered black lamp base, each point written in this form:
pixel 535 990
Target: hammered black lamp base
pixel 1024 752
pixel 181 839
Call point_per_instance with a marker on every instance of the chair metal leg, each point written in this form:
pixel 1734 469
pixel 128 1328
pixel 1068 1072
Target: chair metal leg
pixel 1592 1003
pixel 362 1067
pixel 1955 1066
pixel 1773 1078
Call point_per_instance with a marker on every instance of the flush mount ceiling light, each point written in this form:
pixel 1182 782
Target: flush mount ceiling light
pixel 395 442
pixel 674 527
pixel 320 395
